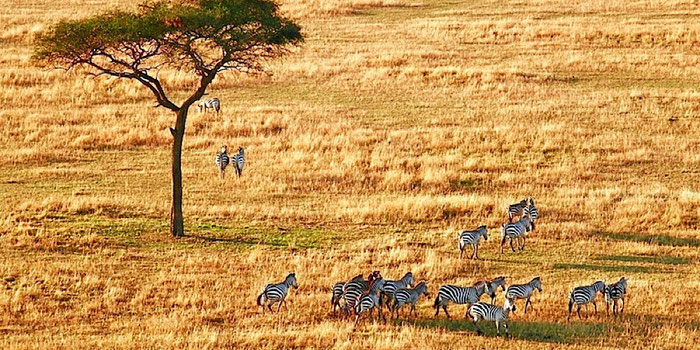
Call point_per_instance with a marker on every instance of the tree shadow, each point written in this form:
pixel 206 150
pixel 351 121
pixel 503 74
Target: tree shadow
pixel 547 332
pixel 668 260
pixel 606 268
pixel 662 240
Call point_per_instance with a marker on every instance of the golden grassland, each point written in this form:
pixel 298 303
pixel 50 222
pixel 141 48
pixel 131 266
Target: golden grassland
pixel 395 125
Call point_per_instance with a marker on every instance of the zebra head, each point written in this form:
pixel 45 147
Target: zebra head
pixel 291 280
pixel 224 148
pixel 482 287
pixel 408 278
pixel 356 278
pixel 599 286
pixel 532 201
pixel 240 150
pixel 422 288
pixel 498 281
pixel 537 283
pixel 484 231
pixel 509 305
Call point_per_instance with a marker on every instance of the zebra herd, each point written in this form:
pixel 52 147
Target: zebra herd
pixel 359 296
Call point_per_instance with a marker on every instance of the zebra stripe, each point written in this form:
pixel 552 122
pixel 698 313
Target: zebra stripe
pixel 369 300
pixel 515 230
pixel 222 160
pixel 488 312
pixel 409 296
pixel 390 287
pixel 211 103
pixel 615 292
pixel 583 295
pixel 524 291
pixel 273 293
pixel 472 238
pixel 516 210
pixel 337 291
pixel 239 161
pixel 458 295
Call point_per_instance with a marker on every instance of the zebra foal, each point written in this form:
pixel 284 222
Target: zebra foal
pixel 390 287
pixel 210 103
pixel 584 295
pixel 409 296
pixel 276 293
pixel 488 312
pixel 515 230
pixel 472 238
pixel 222 161
pixel 524 291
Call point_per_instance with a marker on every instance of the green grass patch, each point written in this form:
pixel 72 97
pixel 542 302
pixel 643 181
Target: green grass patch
pixel 275 237
pixel 464 184
pixel 669 260
pixel 607 268
pixel 534 331
pixel 663 240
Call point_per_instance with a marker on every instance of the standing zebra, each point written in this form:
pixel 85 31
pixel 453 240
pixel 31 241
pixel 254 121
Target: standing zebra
pixel 210 103
pixel 532 212
pixel 458 295
pixel 492 287
pixel 239 161
pixel 337 291
pixel 409 296
pixel 524 291
pixel 369 300
pixel 222 160
pixel 353 290
pixel 490 312
pixel 516 210
pixel 273 293
pixel 515 230
pixel 472 238
pixel 387 291
pixel 615 292
pixel 583 295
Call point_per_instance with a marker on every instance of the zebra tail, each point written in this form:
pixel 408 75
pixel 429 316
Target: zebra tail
pixel 260 298
pixel 571 301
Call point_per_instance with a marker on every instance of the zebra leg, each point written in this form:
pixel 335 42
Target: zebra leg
pixel 473 251
pixel 498 331
pixel 357 319
pixel 511 244
pixel 595 307
pixel 478 330
pixel 444 307
pixel 461 250
pixel 279 305
pixel 578 311
pixel 523 246
pixel 505 326
pixel 623 305
pixel 413 310
pixel 527 301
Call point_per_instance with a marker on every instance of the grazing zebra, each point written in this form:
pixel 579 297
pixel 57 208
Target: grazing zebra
pixel 273 293
pixel 515 230
pixel 353 290
pixel 458 295
pixel 492 287
pixel 532 212
pixel 584 295
pixel 369 300
pixel 387 291
pixel 210 103
pixel 516 210
pixel 490 312
pixel 615 292
pixel 238 161
pixel 222 160
pixel 409 296
pixel 472 238
pixel 337 291
pixel 524 291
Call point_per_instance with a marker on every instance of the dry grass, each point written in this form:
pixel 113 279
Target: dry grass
pixel 397 124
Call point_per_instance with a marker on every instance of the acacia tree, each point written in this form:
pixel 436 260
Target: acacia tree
pixel 204 37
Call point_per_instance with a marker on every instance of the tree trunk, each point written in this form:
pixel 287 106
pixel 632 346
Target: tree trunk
pixel 177 226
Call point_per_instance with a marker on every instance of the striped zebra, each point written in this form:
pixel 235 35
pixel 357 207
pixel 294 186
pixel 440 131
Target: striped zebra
pixel 515 230
pixel 615 292
pixel 583 295
pixel 516 210
pixel 210 103
pixel 524 291
pixel 405 296
pixel 488 312
pixel 458 295
pixel 387 292
pixel 337 291
pixel 472 238
pixel 369 300
pixel 353 290
pixel 492 287
pixel 276 293
pixel 238 161
pixel 532 212
pixel 222 160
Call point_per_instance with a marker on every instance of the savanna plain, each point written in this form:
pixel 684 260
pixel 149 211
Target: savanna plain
pixel 395 125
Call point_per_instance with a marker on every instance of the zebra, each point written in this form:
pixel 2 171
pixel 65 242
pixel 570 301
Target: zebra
pixel 532 212
pixel 337 291
pixel 515 230
pixel 353 290
pixel 273 293
pixel 222 160
pixel 492 287
pixel 238 161
pixel 409 296
pixel 212 103
pixel 458 295
pixel 583 295
pixel 615 292
pixel 524 291
pixel 390 287
pixel 516 210
pixel 488 312
pixel 369 300
pixel 472 238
